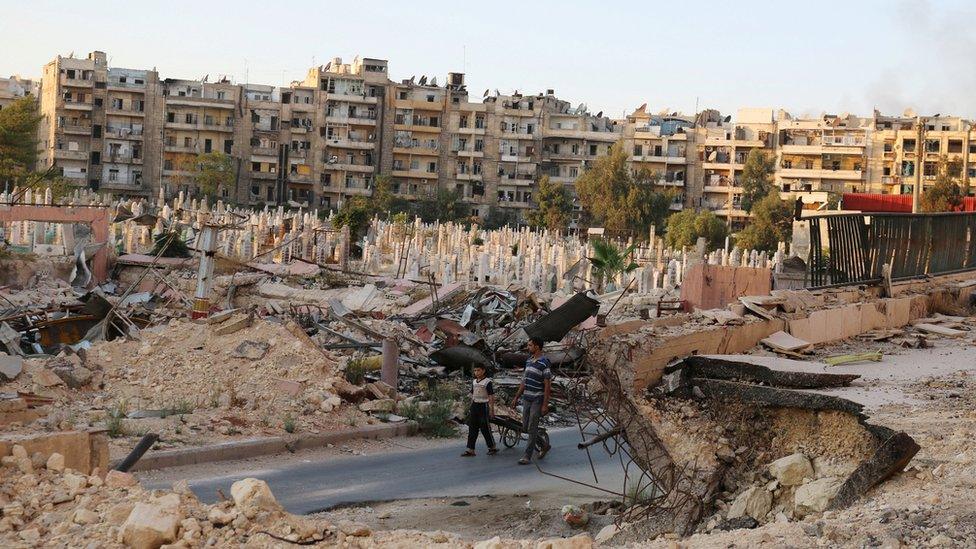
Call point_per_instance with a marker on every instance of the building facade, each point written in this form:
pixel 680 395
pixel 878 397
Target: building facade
pixel 325 139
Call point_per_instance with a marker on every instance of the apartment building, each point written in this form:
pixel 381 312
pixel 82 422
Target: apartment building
pixel 14 88
pixel 829 153
pixel 662 146
pixel 907 150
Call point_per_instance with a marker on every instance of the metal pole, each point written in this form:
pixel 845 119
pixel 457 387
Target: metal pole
pixel 208 247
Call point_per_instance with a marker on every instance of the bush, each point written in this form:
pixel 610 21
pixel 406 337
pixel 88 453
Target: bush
pixel 356 371
pixel 114 417
pixel 434 414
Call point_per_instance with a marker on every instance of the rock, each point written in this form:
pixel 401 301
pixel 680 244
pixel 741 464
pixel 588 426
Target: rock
pixel 251 350
pixel 46 378
pixel 791 470
pixel 55 462
pixel 75 378
pixel 232 325
pixel 354 529
pixel 118 479
pixel 252 495
pixel 149 527
pixel 754 502
pixel 13 404
pixel 19 451
pixel 606 533
pixel 25 465
pixel 349 392
pixel 31 536
pixel 219 517
pixel 384 405
pixel 815 496
pixel 581 541
pixel 85 516
pixel 737 523
pixel 493 543
pixel 118 513
pixel 575 516
pixel 75 483
pixel 10 367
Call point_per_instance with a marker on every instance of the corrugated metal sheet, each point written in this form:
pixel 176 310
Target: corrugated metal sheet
pixel 892 203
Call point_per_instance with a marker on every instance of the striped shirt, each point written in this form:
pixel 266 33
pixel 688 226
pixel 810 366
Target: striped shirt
pixel 535 376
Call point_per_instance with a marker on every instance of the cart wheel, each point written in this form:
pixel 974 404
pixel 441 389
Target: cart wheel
pixel 510 438
pixel 542 441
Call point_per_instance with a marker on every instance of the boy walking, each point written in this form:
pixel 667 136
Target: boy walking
pixel 535 390
pixel 482 409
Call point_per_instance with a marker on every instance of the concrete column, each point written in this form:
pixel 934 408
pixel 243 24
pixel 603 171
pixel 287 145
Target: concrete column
pixel 207 243
pixel 389 371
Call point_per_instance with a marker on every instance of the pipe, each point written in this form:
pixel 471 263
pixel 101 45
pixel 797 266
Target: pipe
pixel 136 454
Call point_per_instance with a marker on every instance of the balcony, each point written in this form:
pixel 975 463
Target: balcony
pixel 76 129
pixel 125 184
pixel 76 105
pixel 518 180
pixel 122 158
pixel 199 126
pixel 417 128
pixel 469 153
pixel 820 173
pixel 345 143
pixel 124 111
pixel 344 118
pixel 725 189
pixel 122 132
pixel 471 130
pixel 659 159
pixel 823 149
pixel 184 149
pixel 416 149
pixel 65 154
pixel 264 175
pixel 469 176
pixel 606 137
pixel 353 98
pixel 516 158
pixel 301 179
pixel 76 82
pixel 74 174
pixel 517 135
pixel 357 191
pixel 565 180
pixel 199 102
pixel 265 151
pixel 414 174
pixel 360 168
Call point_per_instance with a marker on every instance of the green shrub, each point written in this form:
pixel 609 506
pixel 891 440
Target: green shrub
pixel 114 417
pixel 356 371
pixel 434 416
pixel 290 423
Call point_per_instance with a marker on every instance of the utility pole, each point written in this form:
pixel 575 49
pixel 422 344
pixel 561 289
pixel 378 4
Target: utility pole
pixel 919 163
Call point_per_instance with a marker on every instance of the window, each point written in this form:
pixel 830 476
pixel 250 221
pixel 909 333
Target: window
pixel 593 150
pixel 787 164
pixel 430 98
pixel 228 145
pixel 113 175
pixel 403 95
pixel 255 166
pixel 432 167
pixel 207 145
pixel 116 103
pixel 463 121
pixel 188 118
pixel 221 95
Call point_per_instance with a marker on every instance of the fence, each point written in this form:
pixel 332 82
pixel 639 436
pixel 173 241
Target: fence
pixel 854 247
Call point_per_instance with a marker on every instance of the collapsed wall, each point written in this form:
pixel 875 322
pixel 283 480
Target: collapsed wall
pixel 766 440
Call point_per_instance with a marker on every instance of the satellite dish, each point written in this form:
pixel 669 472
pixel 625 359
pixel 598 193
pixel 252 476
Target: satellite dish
pixel 486 93
pixel 727 118
pixel 599 114
pixel 433 81
pixel 423 80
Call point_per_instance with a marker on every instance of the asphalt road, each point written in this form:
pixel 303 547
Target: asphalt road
pixel 431 472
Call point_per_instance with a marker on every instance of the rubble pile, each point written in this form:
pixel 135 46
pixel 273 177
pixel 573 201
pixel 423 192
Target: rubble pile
pixel 45 504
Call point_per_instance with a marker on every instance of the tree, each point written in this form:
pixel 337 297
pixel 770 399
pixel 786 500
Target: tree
pixel 771 223
pixel 356 213
pixel 213 172
pixel 686 227
pixel 498 218
pixel 609 260
pixel 444 206
pixel 18 140
pixel 555 206
pixel 757 180
pixel 384 201
pixel 616 199
pixel 944 195
pixel 169 244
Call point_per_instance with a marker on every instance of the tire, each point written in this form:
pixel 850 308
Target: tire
pixel 542 442
pixel 510 438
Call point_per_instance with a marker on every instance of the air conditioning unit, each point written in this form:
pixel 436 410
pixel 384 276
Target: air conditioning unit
pixel 333 159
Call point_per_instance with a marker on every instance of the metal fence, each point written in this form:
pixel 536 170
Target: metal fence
pixel 853 248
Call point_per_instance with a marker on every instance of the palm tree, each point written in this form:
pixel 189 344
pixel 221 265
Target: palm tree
pixel 608 261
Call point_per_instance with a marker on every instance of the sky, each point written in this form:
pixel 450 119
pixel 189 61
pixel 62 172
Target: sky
pixel 805 57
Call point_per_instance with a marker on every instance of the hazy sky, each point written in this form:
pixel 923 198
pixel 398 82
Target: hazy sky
pixel 613 55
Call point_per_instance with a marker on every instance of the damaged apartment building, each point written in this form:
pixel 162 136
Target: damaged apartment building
pixel 325 139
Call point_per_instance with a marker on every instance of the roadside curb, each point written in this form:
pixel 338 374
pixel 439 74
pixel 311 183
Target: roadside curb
pixel 264 446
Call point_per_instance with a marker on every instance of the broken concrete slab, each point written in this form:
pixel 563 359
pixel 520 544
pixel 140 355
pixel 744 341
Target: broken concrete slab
pixel 790 373
pixel 445 292
pixel 940 330
pixel 785 342
pixel 778 398
pixel 251 350
pixel 46 378
pixel 233 325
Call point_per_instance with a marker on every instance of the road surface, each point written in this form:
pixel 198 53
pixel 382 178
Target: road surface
pixel 306 487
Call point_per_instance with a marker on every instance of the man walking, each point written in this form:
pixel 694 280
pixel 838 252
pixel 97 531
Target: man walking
pixel 534 391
